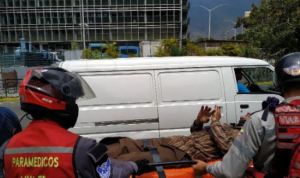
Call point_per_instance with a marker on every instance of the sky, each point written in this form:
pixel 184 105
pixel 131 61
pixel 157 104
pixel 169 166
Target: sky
pixel 222 18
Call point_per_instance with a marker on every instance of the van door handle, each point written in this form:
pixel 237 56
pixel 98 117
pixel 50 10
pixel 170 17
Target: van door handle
pixel 244 106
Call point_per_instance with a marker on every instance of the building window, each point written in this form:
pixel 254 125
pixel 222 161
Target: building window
pixel 156 17
pixel 17 3
pixel 32 19
pixel 141 2
pixel 149 2
pixel 24 3
pixel 69 18
pixel 40 3
pixel 141 16
pixel 12 36
pixel 61 18
pixel 98 17
pixel 3 20
pixel 156 2
pixel 97 2
pixel 127 34
pixel 114 17
pixel 47 3
pixel 11 19
pixel 61 2
pixel 121 17
pixel 10 3
pixel 68 2
pixel 105 17
pixel 171 16
pixel 134 2
pixel 105 2
pixel 134 17
pixel 121 34
pixel 18 18
pixel 77 2
pixel 54 3
pixel 120 2
pixel 91 2
pixel 25 19
pixel 31 3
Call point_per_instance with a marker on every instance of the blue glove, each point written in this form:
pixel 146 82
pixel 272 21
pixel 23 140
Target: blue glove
pixel 122 169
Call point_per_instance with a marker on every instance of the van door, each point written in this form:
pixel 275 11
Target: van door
pixel 125 105
pixel 252 85
pixel 182 92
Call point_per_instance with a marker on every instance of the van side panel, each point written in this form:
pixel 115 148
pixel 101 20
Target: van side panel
pixel 125 101
pixel 230 90
pixel 181 93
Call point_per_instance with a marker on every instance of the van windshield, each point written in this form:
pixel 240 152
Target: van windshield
pixel 257 79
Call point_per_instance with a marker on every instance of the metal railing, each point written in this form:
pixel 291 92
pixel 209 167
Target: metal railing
pixel 9 87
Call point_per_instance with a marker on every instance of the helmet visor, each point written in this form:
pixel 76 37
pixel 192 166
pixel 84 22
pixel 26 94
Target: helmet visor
pixel 84 92
pixel 69 84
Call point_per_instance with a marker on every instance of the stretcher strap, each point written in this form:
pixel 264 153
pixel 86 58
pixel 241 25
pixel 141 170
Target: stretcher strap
pixel 156 158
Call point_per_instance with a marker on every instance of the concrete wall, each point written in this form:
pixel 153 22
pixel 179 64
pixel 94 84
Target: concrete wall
pixel 149 48
pixel 72 54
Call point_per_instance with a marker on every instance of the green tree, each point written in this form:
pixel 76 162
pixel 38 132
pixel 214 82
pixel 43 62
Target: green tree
pixel 214 52
pixel 87 53
pixel 169 47
pixel 74 45
pixel 273 27
pixel 112 50
pixel 192 49
pixel 232 50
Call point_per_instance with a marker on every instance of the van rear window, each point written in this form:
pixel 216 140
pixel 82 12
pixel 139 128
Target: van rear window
pixel 190 85
pixel 117 89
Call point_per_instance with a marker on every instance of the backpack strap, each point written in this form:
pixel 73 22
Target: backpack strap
pixel 155 157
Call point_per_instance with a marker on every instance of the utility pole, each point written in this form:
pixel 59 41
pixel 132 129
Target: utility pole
pixel 83 24
pixel 234 28
pixel 180 35
pixel 209 16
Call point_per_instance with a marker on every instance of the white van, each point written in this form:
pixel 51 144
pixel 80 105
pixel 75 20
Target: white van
pixel 157 97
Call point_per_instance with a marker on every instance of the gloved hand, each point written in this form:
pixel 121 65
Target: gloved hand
pixel 272 102
pixel 122 169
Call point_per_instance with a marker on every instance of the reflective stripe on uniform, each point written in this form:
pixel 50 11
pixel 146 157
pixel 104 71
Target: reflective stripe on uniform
pixel 38 150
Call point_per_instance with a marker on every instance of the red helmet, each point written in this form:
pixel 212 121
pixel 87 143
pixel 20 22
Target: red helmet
pixel 51 93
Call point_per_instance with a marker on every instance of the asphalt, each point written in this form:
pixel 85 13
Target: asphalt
pixel 15 106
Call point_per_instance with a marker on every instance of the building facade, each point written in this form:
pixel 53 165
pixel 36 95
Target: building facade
pixel 56 23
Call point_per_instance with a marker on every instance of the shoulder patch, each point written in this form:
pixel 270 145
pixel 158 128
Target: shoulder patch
pixel 104 169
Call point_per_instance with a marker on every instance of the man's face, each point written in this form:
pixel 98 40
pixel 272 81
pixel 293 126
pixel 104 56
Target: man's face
pixel 238 75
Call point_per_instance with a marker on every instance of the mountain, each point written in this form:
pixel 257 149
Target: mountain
pixel 222 18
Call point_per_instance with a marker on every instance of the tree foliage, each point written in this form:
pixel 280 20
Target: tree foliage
pixel 74 45
pixel 232 50
pixel 273 27
pixel 192 49
pixel 90 54
pixel 169 47
pixel 112 50
pixel 87 53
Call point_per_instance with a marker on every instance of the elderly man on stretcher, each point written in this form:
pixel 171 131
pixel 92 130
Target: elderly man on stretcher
pixel 204 143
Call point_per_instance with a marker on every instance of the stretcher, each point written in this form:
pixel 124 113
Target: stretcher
pixel 188 172
pixel 185 172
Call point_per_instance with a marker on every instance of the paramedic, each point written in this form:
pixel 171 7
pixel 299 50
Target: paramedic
pixel 257 140
pixel 46 148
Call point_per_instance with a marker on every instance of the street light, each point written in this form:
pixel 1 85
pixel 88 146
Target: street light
pixel 234 28
pixel 226 33
pixel 209 15
pixel 83 25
